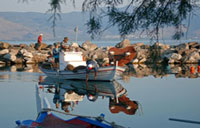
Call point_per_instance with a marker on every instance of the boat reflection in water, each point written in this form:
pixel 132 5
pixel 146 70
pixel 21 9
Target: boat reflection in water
pixel 68 93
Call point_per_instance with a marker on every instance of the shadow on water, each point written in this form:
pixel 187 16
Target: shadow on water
pixel 68 93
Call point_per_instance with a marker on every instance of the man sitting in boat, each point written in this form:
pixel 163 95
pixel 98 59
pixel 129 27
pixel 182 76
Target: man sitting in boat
pixel 91 65
pixel 64 46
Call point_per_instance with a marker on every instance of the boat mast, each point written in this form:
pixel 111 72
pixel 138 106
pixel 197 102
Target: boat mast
pixel 76 33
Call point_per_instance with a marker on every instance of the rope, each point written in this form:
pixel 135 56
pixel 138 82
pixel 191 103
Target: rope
pixel 140 109
pixel 100 118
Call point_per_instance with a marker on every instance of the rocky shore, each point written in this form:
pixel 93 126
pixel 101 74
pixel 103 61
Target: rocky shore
pixel 185 53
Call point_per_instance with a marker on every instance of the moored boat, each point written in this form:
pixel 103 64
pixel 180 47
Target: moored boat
pixel 108 73
pixel 103 74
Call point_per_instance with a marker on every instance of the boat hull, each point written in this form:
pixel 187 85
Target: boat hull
pixel 103 74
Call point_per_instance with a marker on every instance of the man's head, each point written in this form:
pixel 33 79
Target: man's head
pixel 65 39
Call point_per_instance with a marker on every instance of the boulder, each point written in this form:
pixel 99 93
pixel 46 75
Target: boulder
pixel 25 53
pixel 4 45
pixel 107 48
pixel 32 45
pixel 143 53
pixel 197 46
pixel 143 60
pixel 192 43
pixel 50 46
pixel 100 54
pixel 190 60
pixel 40 46
pixel 38 57
pixel 123 44
pixel 195 55
pixel 167 54
pixel 192 57
pixel 161 46
pixel 105 61
pixel 175 69
pixel 14 51
pixel 175 56
pixel 135 61
pixel 138 46
pixel 18 61
pixel 88 46
pixel 183 46
pixel 28 60
pixel 23 45
pixel 171 61
pixel 28 54
pixel 75 45
pixel 10 56
pixel 2 63
pixel 4 51
pixel 145 46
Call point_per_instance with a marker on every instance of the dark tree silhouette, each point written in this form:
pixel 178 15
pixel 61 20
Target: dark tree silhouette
pixel 139 15
pixel 144 15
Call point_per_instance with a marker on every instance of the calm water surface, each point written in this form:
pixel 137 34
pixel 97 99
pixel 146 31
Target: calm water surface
pixel 158 99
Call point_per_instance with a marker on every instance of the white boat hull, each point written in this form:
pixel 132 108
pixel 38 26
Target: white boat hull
pixel 103 74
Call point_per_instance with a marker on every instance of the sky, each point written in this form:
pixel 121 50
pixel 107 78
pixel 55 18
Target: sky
pixel 35 6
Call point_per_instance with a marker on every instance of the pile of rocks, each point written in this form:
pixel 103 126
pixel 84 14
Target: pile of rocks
pixel 31 54
pixel 187 53
pixel 157 53
pixel 22 53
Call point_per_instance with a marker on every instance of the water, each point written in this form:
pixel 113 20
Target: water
pixel 161 94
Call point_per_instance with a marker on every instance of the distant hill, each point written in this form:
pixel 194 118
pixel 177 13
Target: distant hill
pixel 28 25
pixel 33 24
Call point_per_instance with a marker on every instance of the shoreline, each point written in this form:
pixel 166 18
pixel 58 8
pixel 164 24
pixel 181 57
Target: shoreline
pixel 158 53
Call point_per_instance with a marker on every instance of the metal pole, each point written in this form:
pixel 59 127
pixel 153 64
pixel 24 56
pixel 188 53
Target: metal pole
pixel 76 33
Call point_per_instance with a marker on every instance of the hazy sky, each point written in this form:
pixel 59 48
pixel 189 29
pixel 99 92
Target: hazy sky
pixel 35 6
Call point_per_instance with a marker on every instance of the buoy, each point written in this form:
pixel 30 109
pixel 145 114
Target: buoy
pixel 90 66
pixel 192 70
pixel 199 69
pixel 57 105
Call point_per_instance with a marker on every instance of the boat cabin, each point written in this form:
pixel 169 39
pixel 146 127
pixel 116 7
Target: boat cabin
pixel 73 58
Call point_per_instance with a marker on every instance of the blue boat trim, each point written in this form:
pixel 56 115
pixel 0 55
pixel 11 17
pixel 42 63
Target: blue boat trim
pixel 43 115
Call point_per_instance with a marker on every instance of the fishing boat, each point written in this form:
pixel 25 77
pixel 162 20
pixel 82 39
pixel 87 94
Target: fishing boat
pixel 48 119
pixel 75 59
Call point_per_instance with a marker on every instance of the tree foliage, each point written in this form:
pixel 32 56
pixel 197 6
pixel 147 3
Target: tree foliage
pixel 143 15
pixel 139 15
